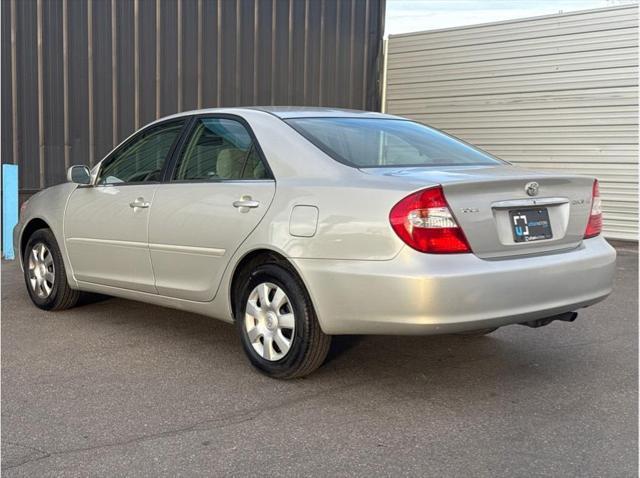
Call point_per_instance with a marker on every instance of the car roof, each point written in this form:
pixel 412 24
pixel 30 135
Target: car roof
pixel 288 112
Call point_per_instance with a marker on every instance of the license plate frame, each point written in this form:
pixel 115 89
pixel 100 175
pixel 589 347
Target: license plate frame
pixel 530 224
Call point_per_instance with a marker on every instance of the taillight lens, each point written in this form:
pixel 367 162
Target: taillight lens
pixel 424 221
pixel 594 226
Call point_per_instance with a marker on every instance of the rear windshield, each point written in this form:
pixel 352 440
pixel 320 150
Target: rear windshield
pixel 377 143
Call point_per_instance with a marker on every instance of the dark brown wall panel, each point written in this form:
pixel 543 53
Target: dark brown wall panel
pixel 6 125
pixel 78 67
pixel 107 67
pixel 125 69
pixel 53 94
pixel 27 95
pixel 168 58
pixel 102 79
pixel 189 48
pixel 147 60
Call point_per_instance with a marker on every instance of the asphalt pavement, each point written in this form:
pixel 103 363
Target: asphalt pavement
pixel 119 388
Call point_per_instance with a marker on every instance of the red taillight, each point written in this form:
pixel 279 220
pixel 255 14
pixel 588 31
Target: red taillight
pixel 424 221
pixel 594 226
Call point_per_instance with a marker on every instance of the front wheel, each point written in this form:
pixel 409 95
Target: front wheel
pixel 277 324
pixel 45 275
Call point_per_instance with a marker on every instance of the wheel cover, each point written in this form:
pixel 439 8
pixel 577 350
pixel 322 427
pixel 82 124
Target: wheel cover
pixel 41 270
pixel 269 321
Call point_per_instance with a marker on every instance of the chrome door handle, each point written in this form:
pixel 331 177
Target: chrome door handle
pixel 246 201
pixel 140 202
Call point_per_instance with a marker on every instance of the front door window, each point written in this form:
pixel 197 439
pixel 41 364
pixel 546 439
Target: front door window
pixel 142 159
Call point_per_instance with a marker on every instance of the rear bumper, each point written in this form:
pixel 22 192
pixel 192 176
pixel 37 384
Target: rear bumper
pixel 417 293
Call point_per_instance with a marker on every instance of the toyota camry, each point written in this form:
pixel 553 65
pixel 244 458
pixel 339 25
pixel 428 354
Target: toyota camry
pixel 297 224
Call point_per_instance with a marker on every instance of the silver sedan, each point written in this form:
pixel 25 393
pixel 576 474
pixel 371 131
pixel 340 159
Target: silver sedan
pixel 297 224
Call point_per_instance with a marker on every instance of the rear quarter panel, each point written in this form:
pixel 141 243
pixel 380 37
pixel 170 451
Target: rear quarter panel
pixel 352 221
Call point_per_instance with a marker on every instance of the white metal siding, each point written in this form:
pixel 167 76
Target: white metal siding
pixel 558 92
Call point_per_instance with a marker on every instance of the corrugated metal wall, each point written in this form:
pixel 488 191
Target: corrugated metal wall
pixel 558 92
pixel 81 75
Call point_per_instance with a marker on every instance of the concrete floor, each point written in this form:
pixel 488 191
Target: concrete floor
pixel 119 388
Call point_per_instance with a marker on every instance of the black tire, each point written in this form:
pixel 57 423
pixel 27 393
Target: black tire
pixel 309 346
pixel 62 296
pixel 478 333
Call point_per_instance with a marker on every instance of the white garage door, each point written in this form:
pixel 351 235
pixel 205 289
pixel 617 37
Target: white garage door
pixel 558 92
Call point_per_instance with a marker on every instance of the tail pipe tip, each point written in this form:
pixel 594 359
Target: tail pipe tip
pixel 566 317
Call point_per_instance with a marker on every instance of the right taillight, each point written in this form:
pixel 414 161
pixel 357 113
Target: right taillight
pixel 594 226
pixel 424 221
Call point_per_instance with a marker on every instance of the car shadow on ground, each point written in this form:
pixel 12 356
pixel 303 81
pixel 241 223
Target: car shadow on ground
pixel 367 357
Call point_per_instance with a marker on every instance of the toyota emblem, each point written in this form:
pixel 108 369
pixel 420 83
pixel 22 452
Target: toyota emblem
pixel 532 188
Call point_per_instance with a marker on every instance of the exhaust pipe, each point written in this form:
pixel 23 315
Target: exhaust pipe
pixel 566 317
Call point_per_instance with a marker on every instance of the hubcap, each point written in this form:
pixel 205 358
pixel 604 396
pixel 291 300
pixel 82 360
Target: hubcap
pixel 41 271
pixel 269 321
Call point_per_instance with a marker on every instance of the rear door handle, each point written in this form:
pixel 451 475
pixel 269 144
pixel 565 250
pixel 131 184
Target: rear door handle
pixel 140 202
pixel 246 202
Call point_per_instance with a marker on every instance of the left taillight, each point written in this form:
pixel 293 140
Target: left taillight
pixel 424 221
pixel 594 226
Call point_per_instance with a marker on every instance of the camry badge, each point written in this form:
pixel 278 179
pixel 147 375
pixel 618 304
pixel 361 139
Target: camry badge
pixel 532 188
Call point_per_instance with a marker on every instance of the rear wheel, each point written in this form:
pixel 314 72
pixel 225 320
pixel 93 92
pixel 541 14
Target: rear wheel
pixel 45 274
pixel 277 324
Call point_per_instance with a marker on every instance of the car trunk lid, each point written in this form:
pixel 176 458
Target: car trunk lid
pixel 485 199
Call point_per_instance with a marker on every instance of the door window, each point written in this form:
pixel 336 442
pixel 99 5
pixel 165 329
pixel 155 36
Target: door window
pixel 219 149
pixel 141 159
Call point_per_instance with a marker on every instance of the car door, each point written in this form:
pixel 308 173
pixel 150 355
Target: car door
pixel 106 224
pixel 217 192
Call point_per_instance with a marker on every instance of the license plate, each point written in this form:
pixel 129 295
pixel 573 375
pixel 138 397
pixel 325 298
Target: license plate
pixel 530 224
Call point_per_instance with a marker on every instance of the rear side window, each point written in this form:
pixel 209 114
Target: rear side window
pixel 219 149
pixel 141 159
pixel 374 143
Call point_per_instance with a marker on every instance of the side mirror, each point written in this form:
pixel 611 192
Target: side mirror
pixel 79 174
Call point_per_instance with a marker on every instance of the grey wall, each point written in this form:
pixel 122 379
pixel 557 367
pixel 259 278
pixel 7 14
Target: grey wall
pixel 557 93
pixel 81 75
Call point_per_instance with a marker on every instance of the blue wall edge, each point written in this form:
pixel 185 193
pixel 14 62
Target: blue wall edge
pixel 9 208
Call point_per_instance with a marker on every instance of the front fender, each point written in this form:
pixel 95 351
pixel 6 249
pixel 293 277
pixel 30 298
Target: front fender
pixel 49 207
